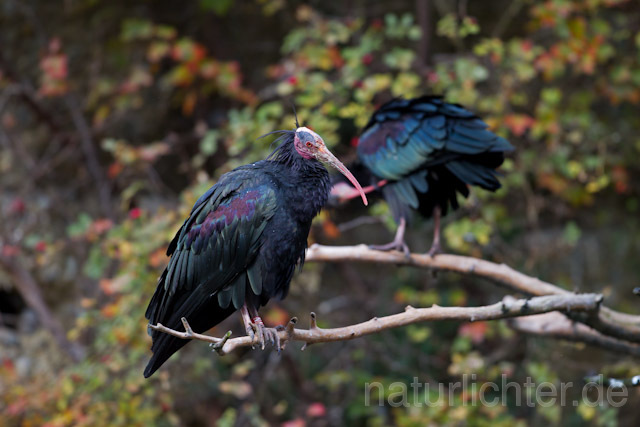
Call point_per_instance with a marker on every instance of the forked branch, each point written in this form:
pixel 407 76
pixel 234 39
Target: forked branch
pixel 507 308
pixel 577 317
pixel 607 321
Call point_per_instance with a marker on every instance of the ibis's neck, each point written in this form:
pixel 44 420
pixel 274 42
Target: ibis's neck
pixel 309 186
pixel 311 191
pixel 314 186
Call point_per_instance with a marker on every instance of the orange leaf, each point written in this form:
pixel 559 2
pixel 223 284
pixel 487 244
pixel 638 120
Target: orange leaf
pixel 189 103
pixel 330 229
pixel 554 183
pixel 518 123
pixel 476 331
pixel 114 169
pixel 109 311
pixel 276 316
pixel 158 258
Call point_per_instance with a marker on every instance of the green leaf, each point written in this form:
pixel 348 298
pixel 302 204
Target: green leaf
pixel 79 227
pixel 209 143
pixel 136 29
pixel 219 7
pixel 418 334
pixel 399 58
pixel 571 233
pixel 96 264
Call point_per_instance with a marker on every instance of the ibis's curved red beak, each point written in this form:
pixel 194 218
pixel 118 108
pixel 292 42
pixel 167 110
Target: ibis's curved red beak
pixel 326 156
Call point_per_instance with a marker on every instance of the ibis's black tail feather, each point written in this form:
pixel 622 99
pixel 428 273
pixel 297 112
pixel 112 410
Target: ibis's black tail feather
pixel 164 345
pixel 202 311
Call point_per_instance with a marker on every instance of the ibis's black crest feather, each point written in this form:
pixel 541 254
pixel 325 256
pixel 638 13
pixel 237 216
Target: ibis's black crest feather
pixel 285 152
pixel 295 115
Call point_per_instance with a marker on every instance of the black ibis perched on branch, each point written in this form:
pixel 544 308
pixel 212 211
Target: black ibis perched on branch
pixel 242 241
pixel 419 153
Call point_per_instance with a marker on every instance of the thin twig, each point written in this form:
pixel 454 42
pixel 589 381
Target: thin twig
pixel 423 12
pixel 507 18
pixel 88 147
pixel 508 307
pixel 357 222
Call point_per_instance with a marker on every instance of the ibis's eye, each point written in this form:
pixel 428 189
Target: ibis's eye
pixel 309 144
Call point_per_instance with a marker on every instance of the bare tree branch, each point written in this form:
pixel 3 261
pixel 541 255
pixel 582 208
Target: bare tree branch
pixel 508 307
pixel 499 273
pixel 423 12
pixel 609 322
pixel 583 318
pixel 26 93
pixel 88 147
pixel 507 17
pixel 557 325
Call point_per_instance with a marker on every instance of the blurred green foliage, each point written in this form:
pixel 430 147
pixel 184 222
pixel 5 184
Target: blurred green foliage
pixel 174 99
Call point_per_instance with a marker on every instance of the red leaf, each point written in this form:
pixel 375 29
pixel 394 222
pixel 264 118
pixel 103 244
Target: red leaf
pixel 98 227
pixel 54 70
pixel 10 251
pixel 105 286
pixel 620 178
pixel 298 422
pixel 17 206
pixel 316 409
pixel 135 213
pixel 8 365
pixel 114 169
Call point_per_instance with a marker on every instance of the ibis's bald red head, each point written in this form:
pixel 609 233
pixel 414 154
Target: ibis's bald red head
pixel 310 146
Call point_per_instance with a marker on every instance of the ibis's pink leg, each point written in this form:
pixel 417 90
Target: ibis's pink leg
pixel 255 326
pixel 398 242
pixel 435 246
pixel 246 320
pixel 344 191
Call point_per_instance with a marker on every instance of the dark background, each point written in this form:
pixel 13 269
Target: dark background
pixel 115 116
